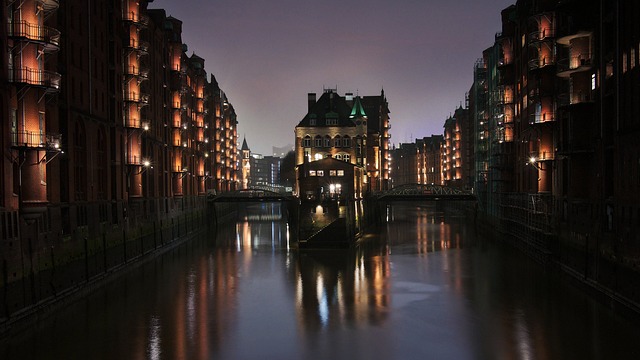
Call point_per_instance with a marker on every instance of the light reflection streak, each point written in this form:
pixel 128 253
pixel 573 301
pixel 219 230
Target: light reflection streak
pixel 522 337
pixel 323 307
pixel 154 349
pixel 191 305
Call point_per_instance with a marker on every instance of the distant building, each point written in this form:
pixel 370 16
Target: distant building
pixel 282 151
pixel 457 152
pixel 405 164
pixel 259 171
pixel 430 161
pixel 340 128
pixel 245 173
pixel 418 163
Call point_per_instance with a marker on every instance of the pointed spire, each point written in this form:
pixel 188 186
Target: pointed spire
pixel 357 111
pixel 244 144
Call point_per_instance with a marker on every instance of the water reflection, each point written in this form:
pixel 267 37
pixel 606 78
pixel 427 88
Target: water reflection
pixel 422 229
pixel 337 291
pixel 423 288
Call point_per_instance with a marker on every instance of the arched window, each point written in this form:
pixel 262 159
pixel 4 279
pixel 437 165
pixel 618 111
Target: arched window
pixel 327 141
pixel 338 156
pixel 346 158
pixel 337 142
pixel 318 141
pixel 346 141
pixel 306 142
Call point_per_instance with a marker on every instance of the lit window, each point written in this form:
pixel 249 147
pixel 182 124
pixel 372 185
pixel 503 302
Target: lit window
pixel 320 172
pixel 318 156
pixel 346 158
pixel 593 81
pixel 340 172
pixel 312 173
pixel 332 173
pixel 339 157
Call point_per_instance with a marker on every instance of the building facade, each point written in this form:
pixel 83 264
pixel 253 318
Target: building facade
pixel 556 115
pixel 340 127
pixel 109 124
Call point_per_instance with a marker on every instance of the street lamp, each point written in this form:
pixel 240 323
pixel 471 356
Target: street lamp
pixel 533 161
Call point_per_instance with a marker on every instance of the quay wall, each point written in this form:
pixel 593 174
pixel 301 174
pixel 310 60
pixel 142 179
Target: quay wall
pixel 42 265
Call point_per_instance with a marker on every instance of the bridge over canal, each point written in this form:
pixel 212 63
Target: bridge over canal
pixel 317 222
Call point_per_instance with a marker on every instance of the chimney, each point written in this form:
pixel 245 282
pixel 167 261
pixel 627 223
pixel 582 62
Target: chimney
pixel 349 98
pixel 311 98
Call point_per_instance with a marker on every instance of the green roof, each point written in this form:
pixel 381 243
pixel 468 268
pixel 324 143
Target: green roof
pixel 357 111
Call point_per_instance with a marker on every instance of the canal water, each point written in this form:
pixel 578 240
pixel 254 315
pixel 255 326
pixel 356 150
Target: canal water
pixel 425 287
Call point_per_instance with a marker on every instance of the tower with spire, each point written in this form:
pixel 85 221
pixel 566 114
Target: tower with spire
pixel 246 164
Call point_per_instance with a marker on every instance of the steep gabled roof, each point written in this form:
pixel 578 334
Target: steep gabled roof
pixel 244 145
pixel 329 106
pixel 373 105
pixel 358 110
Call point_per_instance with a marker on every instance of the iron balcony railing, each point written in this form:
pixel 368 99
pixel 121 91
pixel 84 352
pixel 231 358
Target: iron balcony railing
pixel 136 97
pixel 136 18
pixel 35 139
pixel 140 46
pixel 541 62
pixel 34 32
pixel 542 34
pixel 134 160
pixel 35 77
pixel 141 73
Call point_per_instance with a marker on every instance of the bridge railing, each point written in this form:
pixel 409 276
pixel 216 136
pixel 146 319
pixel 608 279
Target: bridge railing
pixel 425 191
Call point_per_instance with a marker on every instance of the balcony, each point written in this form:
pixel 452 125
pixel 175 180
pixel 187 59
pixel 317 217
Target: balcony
pixel 542 62
pixel 41 78
pixel 136 18
pixel 134 122
pixel 577 97
pixel 141 73
pixel 573 64
pixel 136 98
pixel 541 35
pixel 47 36
pixel 142 47
pixel 35 140
pixel 540 118
pixel 48 5
pixel 135 160
pixel 571 34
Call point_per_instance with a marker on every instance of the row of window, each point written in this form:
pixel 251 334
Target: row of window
pixel 343 157
pixel 313 122
pixel 321 172
pixel 326 141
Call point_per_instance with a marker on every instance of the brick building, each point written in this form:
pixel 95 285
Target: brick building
pixel 351 129
pixel 110 124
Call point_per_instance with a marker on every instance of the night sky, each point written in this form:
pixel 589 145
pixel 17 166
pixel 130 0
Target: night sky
pixel 268 54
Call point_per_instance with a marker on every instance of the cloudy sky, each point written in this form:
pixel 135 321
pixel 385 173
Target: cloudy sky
pixel 268 54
